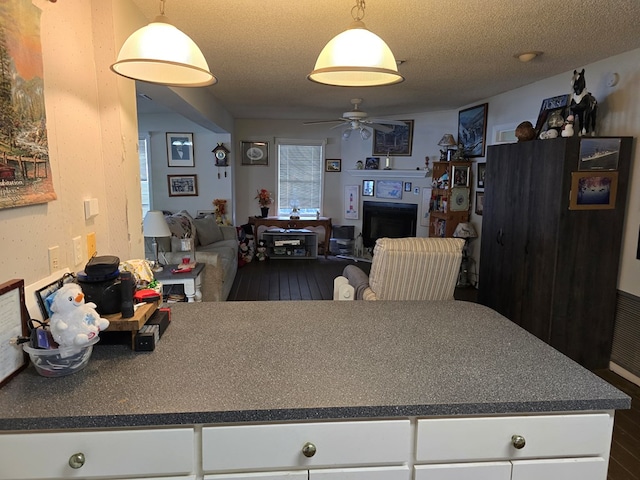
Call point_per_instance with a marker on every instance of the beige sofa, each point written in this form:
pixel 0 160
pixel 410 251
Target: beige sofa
pixel 215 245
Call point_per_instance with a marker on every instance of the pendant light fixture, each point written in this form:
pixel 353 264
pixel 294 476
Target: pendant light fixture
pixel 356 58
pixel 160 53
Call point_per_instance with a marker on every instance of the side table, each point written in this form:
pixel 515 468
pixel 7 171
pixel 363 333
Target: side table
pixel 191 281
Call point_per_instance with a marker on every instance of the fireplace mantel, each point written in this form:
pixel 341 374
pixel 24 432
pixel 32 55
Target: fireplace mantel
pixel 393 173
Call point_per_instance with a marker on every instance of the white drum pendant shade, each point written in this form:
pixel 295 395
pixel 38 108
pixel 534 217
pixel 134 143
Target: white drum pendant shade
pixel 160 53
pixel 356 57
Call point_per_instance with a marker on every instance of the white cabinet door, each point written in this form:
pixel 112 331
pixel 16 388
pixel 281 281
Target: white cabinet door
pixel 378 473
pixel 298 475
pixel 564 469
pixel 465 471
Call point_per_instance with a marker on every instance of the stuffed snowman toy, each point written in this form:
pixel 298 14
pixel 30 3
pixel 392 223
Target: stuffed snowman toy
pixel 73 322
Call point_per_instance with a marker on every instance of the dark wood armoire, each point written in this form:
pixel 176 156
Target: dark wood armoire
pixel 551 239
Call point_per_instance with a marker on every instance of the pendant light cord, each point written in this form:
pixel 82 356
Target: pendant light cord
pixel 162 7
pixel 357 12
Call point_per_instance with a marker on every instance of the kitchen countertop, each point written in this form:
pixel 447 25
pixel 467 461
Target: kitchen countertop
pixel 310 360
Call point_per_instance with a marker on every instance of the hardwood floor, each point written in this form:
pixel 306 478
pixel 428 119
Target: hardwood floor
pixel 313 280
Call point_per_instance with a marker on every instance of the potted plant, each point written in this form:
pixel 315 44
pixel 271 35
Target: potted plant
pixel 264 200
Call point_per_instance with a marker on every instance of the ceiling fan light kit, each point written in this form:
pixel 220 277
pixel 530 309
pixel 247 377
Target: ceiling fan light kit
pixel 356 57
pixel 162 54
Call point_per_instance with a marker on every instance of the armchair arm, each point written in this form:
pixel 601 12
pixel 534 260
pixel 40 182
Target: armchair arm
pixel 357 279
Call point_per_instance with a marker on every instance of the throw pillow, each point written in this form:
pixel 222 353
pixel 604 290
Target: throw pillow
pixel 208 230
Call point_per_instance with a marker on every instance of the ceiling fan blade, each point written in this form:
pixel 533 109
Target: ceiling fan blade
pixel 388 122
pixel 342 124
pixel 380 128
pixel 317 122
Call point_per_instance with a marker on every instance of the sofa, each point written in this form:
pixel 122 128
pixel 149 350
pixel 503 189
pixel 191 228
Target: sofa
pixel 215 245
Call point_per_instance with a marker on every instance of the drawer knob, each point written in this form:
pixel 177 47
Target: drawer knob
pixel 518 441
pixel 76 460
pixel 309 450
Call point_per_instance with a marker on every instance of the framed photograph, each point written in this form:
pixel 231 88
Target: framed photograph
pixel 180 149
pixel 550 109
pixel 389 189
pixel 479 203
pixel 593 190
pixel 397 143
pixel 332 165
pixel 460 176
pixel 407 186
pixel 482 167
pixel 368 188
pixel 425 207
pixel 13 323
pixel 372 163
pixel 183 185
pixel 352 202
pixel 44 295
pixel 472 130
pixel 599 153
pixel 254 153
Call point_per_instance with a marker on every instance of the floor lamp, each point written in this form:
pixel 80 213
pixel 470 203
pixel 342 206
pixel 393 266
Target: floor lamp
pixel 154 226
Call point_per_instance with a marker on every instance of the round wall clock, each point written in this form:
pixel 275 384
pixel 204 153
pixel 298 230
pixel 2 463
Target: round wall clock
pixel 222 155
pixel 459 199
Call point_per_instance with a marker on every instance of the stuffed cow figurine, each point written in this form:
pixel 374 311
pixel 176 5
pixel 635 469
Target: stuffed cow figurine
pixel 73 322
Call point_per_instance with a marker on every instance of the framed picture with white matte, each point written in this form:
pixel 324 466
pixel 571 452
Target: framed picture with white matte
pixel 352 202
pixel 180 149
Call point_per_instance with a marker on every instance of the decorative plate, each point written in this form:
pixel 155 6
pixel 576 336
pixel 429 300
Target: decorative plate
pixel 459 199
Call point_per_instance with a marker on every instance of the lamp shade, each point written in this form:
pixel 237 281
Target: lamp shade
pixel 447 140
pixel 356 58
pixel 160 53
pixel 465 230
pixel 154 225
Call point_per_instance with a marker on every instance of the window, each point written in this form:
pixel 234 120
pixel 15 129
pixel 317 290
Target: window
pixel 300 176
pixel 145 188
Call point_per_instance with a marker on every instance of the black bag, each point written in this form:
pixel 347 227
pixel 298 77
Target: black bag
pixel 102 266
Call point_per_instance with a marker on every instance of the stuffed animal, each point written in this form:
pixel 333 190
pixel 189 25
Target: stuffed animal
pixel 244 253
pixel 261 251
pixel 73 322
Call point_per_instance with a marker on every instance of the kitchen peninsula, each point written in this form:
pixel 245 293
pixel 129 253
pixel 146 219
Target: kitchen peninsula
pixel 316 389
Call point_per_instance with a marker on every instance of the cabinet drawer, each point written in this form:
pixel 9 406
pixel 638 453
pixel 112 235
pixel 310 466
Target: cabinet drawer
pixel 255 447
pixel 465 471
pixel 564 468
pixel 112 453
pixel 375 473
pixel 469 439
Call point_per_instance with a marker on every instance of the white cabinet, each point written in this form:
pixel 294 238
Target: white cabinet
pixel 373 473
pixel 514 448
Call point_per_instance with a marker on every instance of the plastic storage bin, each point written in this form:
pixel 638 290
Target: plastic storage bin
pixel 62 361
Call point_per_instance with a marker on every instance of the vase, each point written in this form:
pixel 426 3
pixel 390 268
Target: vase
pixel 264 211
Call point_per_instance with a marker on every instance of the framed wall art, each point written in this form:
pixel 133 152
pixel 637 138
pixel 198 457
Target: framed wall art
pixel 389 189
pixel 368 188
pixel 460 176
pixel 352 202
pixel 479 203
pixel 397 143
pixel 472 130
pixel 13 323
pixel 254 153
pixel 332 165
pixel 482 168
pixel 183 185
pixel 372 163
pixel 180 149
pixel 599 153
pixel 593 190
pixel 407 186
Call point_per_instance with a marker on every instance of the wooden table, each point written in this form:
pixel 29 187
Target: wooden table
pixel 285 222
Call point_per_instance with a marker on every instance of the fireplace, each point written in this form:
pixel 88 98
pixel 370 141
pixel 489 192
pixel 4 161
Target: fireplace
pixel 393 220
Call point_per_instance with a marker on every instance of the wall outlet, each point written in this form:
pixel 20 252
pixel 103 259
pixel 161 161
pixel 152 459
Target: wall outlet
pixel 54 259
pixel 77 250
pixel 91 244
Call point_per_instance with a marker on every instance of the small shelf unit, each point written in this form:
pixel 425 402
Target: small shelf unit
pixel 450 197
pixel 292 244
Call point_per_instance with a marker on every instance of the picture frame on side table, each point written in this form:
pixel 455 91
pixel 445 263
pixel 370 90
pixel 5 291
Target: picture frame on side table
pixel 254 153
pixel 13 323
pixel 472 130
pixel 180 150
pixel 352 202
pixel 182 185
pixel 368 188
pixel 479 203
pixel 333 165
pixel 396 143
pixel 593 190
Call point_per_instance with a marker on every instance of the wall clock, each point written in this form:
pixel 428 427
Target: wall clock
pixel 459 199
pixel 222 155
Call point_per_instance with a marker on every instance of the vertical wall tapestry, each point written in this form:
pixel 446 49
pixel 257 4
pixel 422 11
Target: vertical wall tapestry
pixel 25 173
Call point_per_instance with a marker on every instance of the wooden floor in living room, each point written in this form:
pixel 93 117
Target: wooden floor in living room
pixel 313 280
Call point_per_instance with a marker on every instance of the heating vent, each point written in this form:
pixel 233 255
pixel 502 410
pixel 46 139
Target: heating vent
pixel 626 337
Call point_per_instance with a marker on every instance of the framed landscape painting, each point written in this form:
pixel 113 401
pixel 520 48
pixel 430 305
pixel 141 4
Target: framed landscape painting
pixel 396 143
pixel 472 130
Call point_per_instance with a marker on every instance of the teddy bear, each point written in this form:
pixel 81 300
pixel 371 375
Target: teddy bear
pixel 261 251
pixel 74 322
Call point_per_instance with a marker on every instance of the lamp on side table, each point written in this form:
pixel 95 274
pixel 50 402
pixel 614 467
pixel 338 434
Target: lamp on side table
pixel 154 225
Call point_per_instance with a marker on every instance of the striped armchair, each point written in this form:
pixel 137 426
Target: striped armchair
pixel 409 269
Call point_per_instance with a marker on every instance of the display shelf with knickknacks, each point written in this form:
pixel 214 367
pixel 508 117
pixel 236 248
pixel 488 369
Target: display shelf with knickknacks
pixel 449 197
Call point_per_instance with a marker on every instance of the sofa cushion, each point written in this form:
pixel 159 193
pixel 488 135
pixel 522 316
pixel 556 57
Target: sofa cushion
pixel 208 230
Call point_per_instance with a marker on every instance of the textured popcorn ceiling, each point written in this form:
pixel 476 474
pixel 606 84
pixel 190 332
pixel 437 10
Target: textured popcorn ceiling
pixel 455 52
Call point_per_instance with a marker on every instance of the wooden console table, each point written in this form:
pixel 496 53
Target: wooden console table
pixel 285 222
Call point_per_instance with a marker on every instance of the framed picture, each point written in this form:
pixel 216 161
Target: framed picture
pixel 472 130
pixel 183 185
pixel 425 207
pixel 368 188
pixel 389 189
pixel 180 149
pixel 599 153
pixel 593 190
pixel 372 163
pixel 460 176
pixel 332 165
pixel 407 186
pixel 13 323
pixel 479 203
pixel 551 108
pixel 352 202
pixel 254 153
pixel 482 167
pixel 397 143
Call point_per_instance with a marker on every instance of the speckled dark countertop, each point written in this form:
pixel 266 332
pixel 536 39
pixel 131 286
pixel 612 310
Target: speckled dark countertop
pixel 276 361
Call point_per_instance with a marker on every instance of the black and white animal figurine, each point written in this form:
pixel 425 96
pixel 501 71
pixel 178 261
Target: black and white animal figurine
pixel 583 105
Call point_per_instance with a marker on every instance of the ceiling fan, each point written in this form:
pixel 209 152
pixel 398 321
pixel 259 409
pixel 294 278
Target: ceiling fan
pixel 356 119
